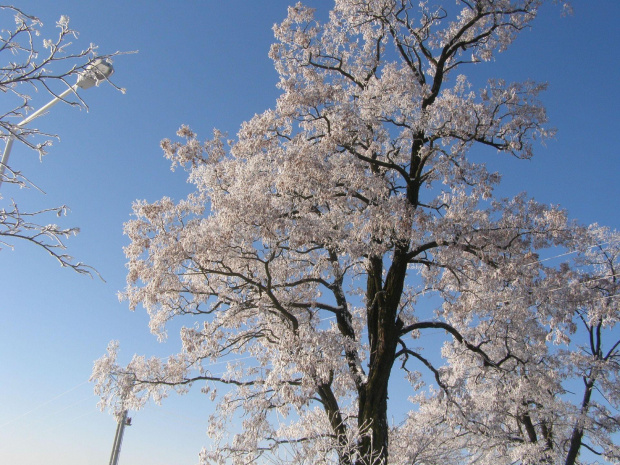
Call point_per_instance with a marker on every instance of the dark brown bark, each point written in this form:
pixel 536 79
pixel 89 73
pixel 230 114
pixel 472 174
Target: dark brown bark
pixel 383 334
pixel 577 436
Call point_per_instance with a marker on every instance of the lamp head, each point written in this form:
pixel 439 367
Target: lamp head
pixel 98 70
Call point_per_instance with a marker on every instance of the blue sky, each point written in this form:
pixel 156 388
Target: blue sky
pixel 204 63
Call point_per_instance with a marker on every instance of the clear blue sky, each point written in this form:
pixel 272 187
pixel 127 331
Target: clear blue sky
pixel 204 63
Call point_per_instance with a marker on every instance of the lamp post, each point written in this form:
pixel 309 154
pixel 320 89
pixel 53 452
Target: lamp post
pixel 118 439
pixel 99 70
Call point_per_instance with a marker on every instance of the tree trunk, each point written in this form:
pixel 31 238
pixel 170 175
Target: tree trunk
pixel 383 332
pixel 577 436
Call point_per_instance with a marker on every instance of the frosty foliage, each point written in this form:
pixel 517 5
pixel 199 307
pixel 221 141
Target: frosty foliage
pixel 30 63
pixel 316 242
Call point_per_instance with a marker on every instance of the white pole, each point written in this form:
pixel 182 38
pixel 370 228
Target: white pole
pixel 43 109
pixel 118 439
pixel 97 70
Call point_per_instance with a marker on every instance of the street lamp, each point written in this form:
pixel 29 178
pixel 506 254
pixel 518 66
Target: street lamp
pixel 99 70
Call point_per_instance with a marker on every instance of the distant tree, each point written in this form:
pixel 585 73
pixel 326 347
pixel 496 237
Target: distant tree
pixel 31 63
pixel 340 227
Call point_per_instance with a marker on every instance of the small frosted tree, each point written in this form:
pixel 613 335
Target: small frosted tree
pixel 317 240
pixel 31 63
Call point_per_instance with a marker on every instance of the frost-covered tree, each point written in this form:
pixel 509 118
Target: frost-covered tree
pixel 30 63
pixel 557 391
pixel 341 226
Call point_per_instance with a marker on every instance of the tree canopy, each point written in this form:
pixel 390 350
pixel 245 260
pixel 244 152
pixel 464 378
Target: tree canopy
pixel 339 227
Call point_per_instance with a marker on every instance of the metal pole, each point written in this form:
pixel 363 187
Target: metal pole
pixel 44 108
pixel 118 438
